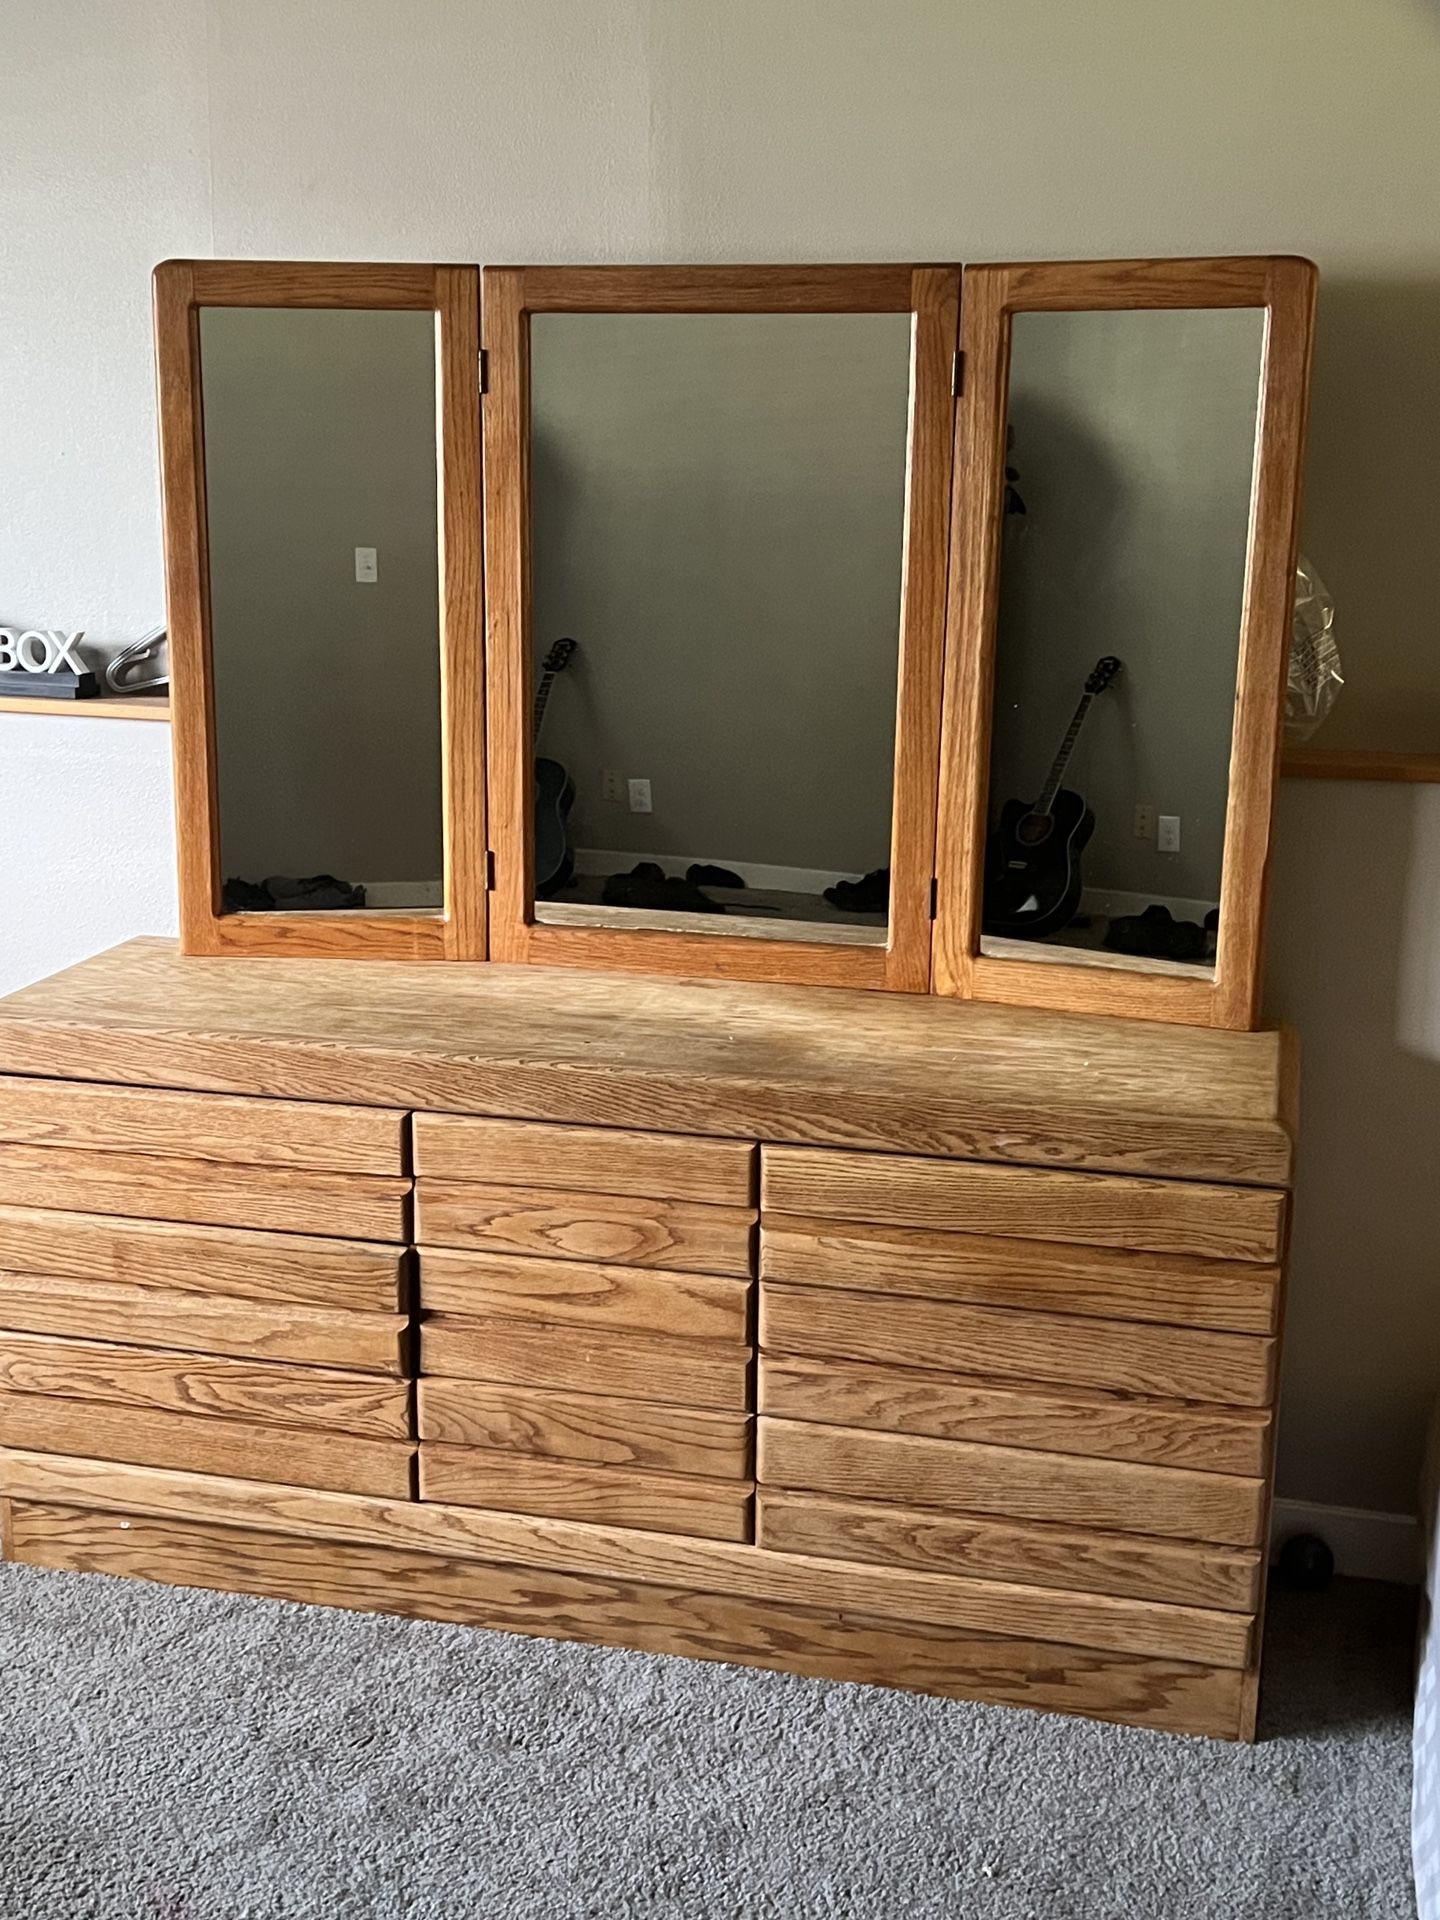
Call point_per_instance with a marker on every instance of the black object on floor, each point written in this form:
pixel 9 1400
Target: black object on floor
pixel 1156 934
pixel 702 874
pixel 870 895
pixel 1306 1564
pixel 648 885
pixel 320 893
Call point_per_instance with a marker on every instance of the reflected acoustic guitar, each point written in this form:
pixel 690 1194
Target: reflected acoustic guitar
pixel 1032 872
pixel 554 789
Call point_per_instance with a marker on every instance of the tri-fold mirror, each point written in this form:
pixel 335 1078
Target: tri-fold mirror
pixel 882 626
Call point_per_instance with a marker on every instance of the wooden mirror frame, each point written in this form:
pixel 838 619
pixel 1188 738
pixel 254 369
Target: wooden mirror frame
pixel 182 288
pixel 509 296
pixel 1285 288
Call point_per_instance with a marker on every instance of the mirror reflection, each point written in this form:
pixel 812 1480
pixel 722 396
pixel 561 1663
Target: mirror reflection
pixel 718 508
pixel 321 503
pixel 1130 458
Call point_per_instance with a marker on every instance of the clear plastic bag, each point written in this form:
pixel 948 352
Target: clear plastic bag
pixel 1315 678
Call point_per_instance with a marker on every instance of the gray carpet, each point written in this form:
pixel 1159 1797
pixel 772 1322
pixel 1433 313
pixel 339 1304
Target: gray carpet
pixel 188 1756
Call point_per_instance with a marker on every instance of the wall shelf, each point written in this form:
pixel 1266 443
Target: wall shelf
pixel 135 706
pixel 1345 763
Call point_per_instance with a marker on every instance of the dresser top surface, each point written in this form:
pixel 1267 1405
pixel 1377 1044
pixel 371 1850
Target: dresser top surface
pixel 907 1073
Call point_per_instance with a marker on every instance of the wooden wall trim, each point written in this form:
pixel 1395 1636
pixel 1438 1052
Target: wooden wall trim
pixel 1359 763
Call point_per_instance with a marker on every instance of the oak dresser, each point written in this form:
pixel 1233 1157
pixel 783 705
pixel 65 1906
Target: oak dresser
pixel 885 1338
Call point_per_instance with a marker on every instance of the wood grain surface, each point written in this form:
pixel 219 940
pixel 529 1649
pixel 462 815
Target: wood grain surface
pixel 202 1323
pixel 950 1406
pixel 366 284
pixel 572 1490
pixel 595 1428
pixel 1014 1484
pixel 455 293
pixel 900 1072
pixel 617 1228
pixel 526 1153
pixel 697 1306
pixel 204 1193
pixel 271 1392
pixel 563 1546
pixel 1111 1283
pixel 1178 1696
pixel 149 1437
pixel 1122 1356
pixel 1158 1216
pixel 1038 1554
pixel 690 1373
pixel 261 1133
pixel 304 1269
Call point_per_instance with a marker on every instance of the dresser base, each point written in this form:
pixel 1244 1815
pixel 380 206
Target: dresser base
pixel 326 1569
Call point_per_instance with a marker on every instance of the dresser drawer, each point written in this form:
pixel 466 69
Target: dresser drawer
pixel 1036 1554
pixel 909 1471
pixel 304 1270
pixel 1114 1426
pixel 202 1126
pixel 604 1496
pixel 115 1311
pixel 1094 1209
pixel 698 1306
pixel 237 1449
pixel 1108 1283
pixel 684 1373
pixel 618 1229
pixel 206 1386
pixel 152 1186
pixel 527 1153
pixel 590 1428
pixel 1124 1356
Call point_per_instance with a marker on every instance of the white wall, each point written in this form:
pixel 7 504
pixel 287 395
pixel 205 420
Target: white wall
pixel 821 129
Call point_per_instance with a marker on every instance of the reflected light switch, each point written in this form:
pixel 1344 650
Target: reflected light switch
pixel 365 569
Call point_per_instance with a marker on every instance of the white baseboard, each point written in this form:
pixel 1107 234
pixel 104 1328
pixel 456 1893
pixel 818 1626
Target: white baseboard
pixel 1367 1545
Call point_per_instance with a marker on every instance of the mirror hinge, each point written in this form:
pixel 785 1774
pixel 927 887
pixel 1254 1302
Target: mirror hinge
pixel 489 871
pixel 484 371
pixel 934 896
pixel 957 375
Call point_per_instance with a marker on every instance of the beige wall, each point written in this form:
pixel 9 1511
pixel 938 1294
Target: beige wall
pixel 719 503
pixel 320 438
pixel 820 129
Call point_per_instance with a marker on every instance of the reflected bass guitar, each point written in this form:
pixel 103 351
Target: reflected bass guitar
pixel 1032 871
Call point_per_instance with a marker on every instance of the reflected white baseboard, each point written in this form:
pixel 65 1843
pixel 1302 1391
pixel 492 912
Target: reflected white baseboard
pixel 1107 901
pixel 1365 1543
pixel 755 873
pixel 1112 902
pixel 425 896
